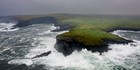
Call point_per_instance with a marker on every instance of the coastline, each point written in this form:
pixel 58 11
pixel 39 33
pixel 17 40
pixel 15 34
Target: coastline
pixel 67 46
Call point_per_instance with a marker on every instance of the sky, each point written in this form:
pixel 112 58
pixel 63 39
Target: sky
pixel 107 7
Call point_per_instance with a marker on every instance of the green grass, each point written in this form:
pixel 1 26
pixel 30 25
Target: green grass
pixel 92 31
pixel 89 29
pixel 103 23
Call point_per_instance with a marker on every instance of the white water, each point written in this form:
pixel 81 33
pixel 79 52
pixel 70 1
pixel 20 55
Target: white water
pixel 7 27
pixel 121 55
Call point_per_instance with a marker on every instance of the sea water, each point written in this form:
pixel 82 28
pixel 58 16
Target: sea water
pixel 19 46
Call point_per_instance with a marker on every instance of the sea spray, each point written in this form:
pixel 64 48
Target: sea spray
pixel 7 27
pixel 122 56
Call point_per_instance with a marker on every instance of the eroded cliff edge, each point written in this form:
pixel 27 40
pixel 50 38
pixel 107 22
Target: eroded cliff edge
pixel 67 44
pixel 90 32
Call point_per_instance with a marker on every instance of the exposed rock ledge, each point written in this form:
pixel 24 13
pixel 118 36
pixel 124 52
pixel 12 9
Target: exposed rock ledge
pixel 68 45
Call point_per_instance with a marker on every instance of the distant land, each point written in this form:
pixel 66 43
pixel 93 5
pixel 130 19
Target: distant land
pixel 85 31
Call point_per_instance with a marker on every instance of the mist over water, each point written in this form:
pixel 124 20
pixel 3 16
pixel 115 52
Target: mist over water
pixel 20 46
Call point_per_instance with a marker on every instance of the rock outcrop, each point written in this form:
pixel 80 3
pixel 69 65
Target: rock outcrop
pixel 38 20
pixel 67 45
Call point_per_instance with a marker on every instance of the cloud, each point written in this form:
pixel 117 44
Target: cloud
pixel 20 7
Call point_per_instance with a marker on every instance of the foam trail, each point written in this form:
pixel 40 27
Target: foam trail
pixel 123 56
pixel 7 27
pixel 21 61
pixel 46 42
pixel 88 60
pixel 130 35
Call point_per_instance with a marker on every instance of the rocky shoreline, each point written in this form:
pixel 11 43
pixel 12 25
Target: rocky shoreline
pixel 120 28
pixel 68 45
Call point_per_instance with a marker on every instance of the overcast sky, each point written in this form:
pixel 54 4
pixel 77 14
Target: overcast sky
pixel 24 7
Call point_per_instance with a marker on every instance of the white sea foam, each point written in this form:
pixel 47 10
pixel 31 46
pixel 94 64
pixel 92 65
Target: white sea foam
pixel 21 61
pixel 57 59
pixel 84 59
pixel 88 60
pixel 46 42
pixel 121 33
pixel 7 27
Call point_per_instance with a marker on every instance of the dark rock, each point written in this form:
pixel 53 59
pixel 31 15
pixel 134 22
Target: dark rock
pixel 122 41
pixel 67 47
pixel 43 54
pixel 39 20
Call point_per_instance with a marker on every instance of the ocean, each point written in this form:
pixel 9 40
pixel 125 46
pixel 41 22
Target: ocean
pixel 20 46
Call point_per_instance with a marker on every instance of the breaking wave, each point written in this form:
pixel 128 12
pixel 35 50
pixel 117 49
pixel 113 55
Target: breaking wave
pixel 24 44
pixel 7 27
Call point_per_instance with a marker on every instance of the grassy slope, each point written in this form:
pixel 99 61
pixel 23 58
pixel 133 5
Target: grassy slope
pixel 91 30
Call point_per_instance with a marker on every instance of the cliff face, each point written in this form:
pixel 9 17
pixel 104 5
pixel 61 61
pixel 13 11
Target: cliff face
pixel 42 20
pixel 38 20
pixel 91 33
pixel 67 45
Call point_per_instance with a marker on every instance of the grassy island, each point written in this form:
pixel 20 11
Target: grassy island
pixel 90 31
